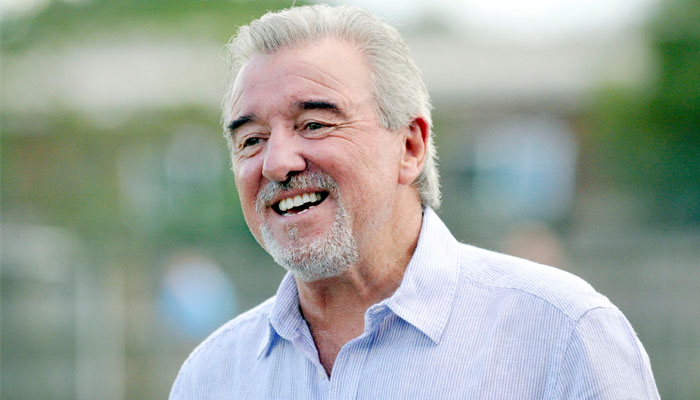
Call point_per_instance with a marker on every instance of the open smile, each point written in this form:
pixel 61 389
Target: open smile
pixel 299 203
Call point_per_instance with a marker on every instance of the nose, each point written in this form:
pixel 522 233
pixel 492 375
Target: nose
pixel 283 155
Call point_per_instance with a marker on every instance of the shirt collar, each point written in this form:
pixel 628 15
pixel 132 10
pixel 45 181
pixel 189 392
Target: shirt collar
pixel 424 299
pixel 426 295
pixel 285 316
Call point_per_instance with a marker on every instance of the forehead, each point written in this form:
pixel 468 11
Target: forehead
pixel 330 69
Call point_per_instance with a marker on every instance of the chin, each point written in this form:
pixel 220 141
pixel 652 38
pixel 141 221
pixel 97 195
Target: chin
pixel 322 258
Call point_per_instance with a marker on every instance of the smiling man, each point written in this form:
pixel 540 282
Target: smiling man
pixel 328 124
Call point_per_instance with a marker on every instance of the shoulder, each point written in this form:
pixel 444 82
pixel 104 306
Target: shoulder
pixel 519 278
pixel 245 327
pixel 238 339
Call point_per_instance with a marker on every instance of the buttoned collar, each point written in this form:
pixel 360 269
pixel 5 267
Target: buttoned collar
pixel 424 299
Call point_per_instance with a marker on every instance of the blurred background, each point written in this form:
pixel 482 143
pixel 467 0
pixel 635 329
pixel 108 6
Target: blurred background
pixel 569 134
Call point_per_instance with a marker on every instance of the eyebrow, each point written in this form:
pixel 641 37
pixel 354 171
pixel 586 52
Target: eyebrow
pixel 303 105
pixel 240 121
pixel 320 105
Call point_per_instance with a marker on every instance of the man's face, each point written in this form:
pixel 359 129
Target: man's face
pixel 315 172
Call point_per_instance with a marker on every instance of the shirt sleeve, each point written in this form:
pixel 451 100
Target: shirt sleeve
pixel 177 392
pixel 605 360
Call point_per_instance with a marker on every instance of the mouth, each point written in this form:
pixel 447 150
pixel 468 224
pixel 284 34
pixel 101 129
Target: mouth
pixel 299 204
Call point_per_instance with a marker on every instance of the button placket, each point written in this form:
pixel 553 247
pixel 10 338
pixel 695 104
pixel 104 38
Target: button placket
pixel 348 367
pixel 351 360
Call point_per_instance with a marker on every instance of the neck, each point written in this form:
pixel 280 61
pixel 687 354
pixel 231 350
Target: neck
pixel 334 308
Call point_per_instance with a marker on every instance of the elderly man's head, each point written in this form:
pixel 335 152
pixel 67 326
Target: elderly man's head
pixel 396 82
pixel 328 123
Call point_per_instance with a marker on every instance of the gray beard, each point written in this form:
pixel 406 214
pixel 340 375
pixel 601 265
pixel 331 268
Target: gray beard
pixel 325 257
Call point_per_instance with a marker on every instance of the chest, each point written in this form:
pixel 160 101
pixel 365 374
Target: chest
pixel 400 362
pixel 330 340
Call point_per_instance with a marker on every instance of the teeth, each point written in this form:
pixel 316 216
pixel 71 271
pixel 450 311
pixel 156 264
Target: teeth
pixel 298 200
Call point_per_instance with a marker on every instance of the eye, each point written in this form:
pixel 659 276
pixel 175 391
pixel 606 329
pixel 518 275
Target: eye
pixel 312 126
pixel 251 141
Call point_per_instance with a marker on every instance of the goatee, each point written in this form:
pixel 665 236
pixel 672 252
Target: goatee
pixel 322 258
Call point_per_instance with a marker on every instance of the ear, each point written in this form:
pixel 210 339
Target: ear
pixel 414 151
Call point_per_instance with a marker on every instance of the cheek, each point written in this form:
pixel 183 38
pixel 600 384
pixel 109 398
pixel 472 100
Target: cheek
pixel 247 177
pixel 247 187
pixel 382 157
pixel 369 171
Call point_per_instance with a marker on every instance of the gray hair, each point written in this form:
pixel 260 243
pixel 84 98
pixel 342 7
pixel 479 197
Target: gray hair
pixel 396 82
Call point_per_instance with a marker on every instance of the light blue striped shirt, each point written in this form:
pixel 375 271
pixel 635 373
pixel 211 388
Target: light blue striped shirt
pixel 465 323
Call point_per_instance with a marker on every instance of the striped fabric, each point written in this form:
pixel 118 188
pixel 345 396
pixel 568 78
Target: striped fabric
pixel 465 323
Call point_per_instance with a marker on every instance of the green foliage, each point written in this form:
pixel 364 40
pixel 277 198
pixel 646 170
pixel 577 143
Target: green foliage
pixel 61 20
pixel 649 138
pixel 63 170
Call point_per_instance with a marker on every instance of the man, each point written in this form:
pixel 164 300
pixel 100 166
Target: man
pixel 328 123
